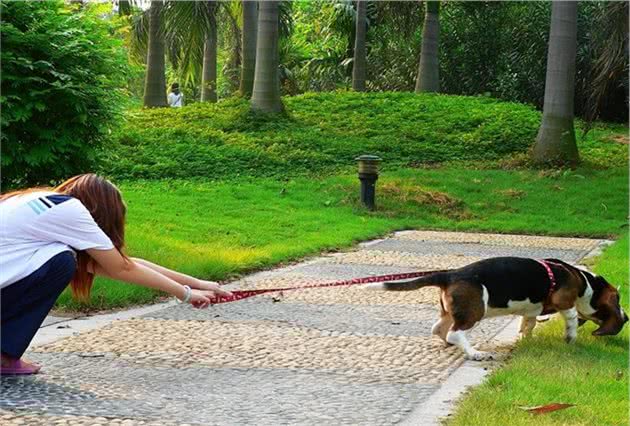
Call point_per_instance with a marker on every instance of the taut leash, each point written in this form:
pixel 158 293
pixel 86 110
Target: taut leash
pixel 244 294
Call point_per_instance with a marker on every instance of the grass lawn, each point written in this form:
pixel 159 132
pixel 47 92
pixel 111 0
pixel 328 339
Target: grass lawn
pixel 248 191
pixel 217 230
pixel 592 374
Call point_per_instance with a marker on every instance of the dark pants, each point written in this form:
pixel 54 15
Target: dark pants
pixel 26 303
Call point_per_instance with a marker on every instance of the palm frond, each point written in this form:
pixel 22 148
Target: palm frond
pixel 285 18
pixel 139 36
pixel 187 24
pixel 610 66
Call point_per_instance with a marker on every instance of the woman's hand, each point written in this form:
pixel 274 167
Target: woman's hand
pixel 200 297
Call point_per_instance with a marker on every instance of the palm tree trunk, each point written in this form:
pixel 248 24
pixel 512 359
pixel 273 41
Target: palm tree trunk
pixel 359 67
pixel 266 91
pixel 155 79
pixel 249 35
pixel 428 79
pixel 555 142
pixel 209 71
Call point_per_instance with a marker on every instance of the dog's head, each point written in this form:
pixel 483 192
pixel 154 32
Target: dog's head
pixel 608 312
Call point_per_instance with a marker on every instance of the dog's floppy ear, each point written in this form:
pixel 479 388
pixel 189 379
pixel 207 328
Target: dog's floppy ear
pixel 609 328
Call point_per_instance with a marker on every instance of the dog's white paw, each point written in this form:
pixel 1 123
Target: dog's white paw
pixel 480 356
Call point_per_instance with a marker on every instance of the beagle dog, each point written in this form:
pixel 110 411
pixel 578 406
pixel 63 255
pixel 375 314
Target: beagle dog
pixel 517 286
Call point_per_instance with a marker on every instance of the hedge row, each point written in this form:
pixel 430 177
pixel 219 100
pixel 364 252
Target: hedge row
pixel 320 133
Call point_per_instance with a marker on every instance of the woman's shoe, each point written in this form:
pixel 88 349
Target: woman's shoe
pixel 15 367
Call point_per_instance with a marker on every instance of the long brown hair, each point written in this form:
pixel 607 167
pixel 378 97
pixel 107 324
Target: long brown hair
pixel 104 202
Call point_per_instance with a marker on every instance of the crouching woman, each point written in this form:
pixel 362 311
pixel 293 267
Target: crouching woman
pixel 52 237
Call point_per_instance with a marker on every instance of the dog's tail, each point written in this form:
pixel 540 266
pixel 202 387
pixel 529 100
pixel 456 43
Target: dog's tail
pixel 438 279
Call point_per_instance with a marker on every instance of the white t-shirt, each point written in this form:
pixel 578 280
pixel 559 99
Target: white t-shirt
pixel 176 100
pixel 35 227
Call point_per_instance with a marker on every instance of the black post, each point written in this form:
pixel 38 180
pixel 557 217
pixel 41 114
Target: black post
pixel 368 175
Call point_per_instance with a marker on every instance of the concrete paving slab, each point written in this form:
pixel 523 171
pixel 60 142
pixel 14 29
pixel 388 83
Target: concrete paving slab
pixel 52 320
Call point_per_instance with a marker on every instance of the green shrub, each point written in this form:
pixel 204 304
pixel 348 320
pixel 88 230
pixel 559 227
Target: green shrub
pixel 60 72
pixel 322 133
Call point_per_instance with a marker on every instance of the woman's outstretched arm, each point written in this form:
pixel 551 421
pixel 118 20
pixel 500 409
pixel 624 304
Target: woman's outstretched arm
pixel 179 277
pixel 112 264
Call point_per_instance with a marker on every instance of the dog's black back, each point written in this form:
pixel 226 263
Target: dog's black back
pixel 508 279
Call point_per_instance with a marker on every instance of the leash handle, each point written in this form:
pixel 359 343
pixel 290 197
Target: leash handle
pixel 244 294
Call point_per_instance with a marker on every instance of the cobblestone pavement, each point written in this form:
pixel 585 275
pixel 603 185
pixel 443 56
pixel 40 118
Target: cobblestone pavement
pixel 315 356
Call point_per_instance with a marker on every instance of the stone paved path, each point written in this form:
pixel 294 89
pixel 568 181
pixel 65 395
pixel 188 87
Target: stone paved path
pixel 317 356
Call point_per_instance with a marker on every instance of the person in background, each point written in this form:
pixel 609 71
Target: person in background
pixel 175 97
pixel 51 237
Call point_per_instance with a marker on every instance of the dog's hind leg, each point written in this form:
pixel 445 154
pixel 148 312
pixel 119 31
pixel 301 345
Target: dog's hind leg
pixel 459 339
pixel 465 303
pixel 441 327
pixel 527 325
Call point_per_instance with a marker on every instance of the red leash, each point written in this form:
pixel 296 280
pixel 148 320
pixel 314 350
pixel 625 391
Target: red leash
pixel 244 294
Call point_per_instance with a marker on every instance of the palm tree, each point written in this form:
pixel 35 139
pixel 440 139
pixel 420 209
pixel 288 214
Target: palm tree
pixel 249 35
pixel 155 79
pixel 555 142
pixel 359 68
pixel 209 70
pixel 428 79
pixel 266 89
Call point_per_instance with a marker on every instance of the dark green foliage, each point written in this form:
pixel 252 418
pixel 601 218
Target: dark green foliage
pixel 496 48
pixel 322 133
pixel 61 71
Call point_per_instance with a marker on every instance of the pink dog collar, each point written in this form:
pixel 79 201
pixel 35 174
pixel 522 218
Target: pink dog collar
pixel 552 278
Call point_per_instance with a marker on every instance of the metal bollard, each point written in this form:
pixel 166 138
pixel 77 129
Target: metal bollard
pixel 368 175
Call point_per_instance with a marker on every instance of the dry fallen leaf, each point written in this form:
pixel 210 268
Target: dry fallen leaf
pixel 543 409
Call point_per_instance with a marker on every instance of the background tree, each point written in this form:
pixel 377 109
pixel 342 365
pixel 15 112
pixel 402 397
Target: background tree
pixel 555 142
pixel 359 64
pixel 63 78
pixel 608 79
pixel 429 68
pixel 192 45
pixel 229 19
pixel 394 46
pixel 155 79
pixel 209 69
pixel 249 35
pixel 266 90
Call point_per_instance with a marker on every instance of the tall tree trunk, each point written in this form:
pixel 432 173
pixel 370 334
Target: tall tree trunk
pixel 359 67
pixel 155 79
pixel 209 71
pixel 266 91
pixel 555 142
pixel 249 35
pixel 428 79
pixel 124 8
